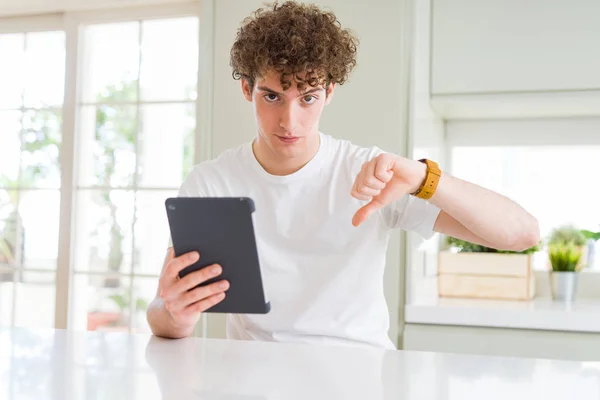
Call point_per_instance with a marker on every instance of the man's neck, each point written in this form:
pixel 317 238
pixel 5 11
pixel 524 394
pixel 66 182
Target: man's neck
pixel 281 166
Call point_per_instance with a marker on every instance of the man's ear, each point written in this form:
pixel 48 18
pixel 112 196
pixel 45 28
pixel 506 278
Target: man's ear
pixel 329 93
pixel 246 89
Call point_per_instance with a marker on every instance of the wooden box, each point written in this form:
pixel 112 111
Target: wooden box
pixel 486 276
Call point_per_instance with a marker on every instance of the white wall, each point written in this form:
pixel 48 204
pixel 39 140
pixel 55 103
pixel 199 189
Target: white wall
pixel 515 59
pixel 515 46
pixel 369 110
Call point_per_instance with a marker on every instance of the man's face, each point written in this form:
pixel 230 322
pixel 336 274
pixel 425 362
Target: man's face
pixel 288 121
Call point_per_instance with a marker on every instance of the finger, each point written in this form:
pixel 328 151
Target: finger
pixel 354 192
pixel 384 168
pixel 362 192
pixel 368 191
pixel 362 197
pixel 198 294
pixel 359 178
pixel 365 211
pixel 192 280
pixel 359 191
pixel 178 263
pixel 205 304
pixel 370 179
pixel 170 255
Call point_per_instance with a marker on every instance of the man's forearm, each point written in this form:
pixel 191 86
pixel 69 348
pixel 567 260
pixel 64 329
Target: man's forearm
pixel 492 217
pixel 161 323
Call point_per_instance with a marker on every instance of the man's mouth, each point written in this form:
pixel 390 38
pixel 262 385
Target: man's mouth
pixel 288 139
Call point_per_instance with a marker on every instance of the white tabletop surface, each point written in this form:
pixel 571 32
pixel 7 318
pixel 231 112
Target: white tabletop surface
pixel 48 364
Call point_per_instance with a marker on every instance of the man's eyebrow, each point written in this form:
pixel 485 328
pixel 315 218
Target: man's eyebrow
pixel 313 90
pixel 266 89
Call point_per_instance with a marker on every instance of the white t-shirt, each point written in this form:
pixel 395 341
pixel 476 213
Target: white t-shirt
pixel 322 275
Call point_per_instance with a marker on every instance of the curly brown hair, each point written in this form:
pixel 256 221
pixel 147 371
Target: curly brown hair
pixel 300 41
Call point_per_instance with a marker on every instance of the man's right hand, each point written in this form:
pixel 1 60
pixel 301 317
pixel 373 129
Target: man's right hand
pixel 182 302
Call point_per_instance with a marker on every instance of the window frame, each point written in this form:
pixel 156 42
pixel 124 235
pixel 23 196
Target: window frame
pixel 72 22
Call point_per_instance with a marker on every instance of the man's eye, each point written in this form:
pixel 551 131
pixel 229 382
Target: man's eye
pixel 309 99
pixel 271 97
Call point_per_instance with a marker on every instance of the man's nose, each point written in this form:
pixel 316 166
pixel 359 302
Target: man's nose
pixel 288 118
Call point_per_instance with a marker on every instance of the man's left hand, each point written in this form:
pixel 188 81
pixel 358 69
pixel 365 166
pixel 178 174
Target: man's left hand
pixel 383 180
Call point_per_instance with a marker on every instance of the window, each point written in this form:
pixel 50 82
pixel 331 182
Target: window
pixel 134 144
pixel 555 183
pixel 32 75
pixel 136 135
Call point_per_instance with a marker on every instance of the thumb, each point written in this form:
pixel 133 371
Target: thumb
pixel 365 211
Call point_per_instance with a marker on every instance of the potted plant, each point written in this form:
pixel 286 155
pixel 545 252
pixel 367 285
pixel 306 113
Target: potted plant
pixel 565 251
pixel 470 270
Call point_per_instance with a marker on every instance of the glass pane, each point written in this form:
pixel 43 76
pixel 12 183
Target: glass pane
pixel 103 231
pixel 41 145
pixel 29 228
pixel 144 291
pixel 35 299
pixel 39 211
pixel 7 288
pixel 107 146
pixel 111 62
pixel 166 133
pixel 12 71
pixel 97 302
pixel 169 59
pixel 12 234
pixel 530 175
pixel 151 231
pixel 10 128
pixel 45 69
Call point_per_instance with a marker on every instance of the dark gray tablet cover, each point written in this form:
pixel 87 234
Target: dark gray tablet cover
pixel 221 230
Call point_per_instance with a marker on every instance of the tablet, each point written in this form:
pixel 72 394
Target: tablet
pixel 221 230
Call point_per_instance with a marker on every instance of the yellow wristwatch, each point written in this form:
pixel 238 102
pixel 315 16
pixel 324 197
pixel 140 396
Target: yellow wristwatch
pixel 430 184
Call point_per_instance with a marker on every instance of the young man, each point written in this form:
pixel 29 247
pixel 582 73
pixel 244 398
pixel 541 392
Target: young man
pixel 324 207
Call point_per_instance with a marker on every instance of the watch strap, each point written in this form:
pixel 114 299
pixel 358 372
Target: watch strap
pixel 431 181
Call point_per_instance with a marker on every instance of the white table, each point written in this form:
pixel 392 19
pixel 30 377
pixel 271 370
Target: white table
pixel 63 365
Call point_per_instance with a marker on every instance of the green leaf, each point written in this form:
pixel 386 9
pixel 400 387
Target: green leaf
pixel 141 304
pixel 591 235
pixel 122 301
pixel 119 300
